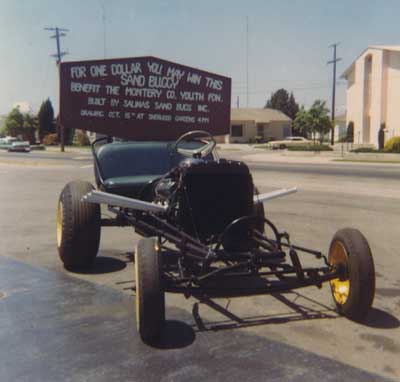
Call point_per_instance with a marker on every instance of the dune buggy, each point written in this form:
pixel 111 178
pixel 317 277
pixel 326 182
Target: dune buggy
pixel 204 230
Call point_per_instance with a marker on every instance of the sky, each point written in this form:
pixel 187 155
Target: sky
pixel 288 42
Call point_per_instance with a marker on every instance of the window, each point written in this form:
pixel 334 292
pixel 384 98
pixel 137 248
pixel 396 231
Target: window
pixel 237 130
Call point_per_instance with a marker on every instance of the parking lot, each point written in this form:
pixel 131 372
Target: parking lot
pixel 293 336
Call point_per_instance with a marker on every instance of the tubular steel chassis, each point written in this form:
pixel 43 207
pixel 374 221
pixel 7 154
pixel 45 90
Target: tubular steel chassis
pixel 195 264
pixel 213 263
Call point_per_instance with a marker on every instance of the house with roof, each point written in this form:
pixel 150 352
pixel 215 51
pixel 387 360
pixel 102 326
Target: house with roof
pixel 373 94
pixel 248 123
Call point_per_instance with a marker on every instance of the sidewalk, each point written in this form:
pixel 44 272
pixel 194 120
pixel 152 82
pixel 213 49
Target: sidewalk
pixel 68 149
pixel 251 154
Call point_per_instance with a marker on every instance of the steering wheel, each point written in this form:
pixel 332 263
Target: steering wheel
pixel 196 135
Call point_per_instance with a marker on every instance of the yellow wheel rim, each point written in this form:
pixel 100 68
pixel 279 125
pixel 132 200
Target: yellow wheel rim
pixel 340 288
pixel 60 213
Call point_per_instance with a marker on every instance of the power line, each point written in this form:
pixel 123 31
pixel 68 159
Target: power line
pixel 334 61
pixel 247 61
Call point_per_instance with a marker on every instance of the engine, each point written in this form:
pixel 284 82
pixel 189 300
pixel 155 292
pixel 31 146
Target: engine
pixel 212 194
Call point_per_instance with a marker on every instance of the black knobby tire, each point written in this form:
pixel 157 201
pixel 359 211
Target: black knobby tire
pixel 78 227
pixel 360 273
pixel 150 296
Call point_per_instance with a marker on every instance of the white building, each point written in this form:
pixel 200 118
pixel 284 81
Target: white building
pixel 373 93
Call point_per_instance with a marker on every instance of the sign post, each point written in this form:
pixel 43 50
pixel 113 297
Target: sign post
pixel 143 98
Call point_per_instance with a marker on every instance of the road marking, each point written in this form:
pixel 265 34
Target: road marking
pixel 86 166
pixel 81 158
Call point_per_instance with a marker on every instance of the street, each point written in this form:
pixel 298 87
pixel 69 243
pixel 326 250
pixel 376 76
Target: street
pixel 331 196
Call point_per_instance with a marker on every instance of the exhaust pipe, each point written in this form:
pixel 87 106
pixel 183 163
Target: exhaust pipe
pixel 260 198
pixel 100 197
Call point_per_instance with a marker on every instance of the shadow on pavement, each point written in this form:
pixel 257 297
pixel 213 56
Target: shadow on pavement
pixel 104 264
pixel 175 335
pixel 300 313
pixel 380 319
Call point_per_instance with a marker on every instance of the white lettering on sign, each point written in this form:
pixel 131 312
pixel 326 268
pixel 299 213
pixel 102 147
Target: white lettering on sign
pixel 78 72
pixel 183 107
pixel 112 90
pixel 133 79
pixel 114 114
pixel 142 95
pixel 203 120
pixel 160 117
pixel 130 103
pixel 78 87
pixel 185 118
pixel 155 68
pixel 146 93
pixel 96 101
pixel 213 97
pixel 133 67
pixel 203 108
pixel 129 115
pixel 163 106
pixel 163 82
pixel 92 113
pixel 193 78
pixel 98 71
pixel 192 96
pixel 213 84
pixel 173 72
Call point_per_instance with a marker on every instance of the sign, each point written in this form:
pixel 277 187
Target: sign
pixel 143 98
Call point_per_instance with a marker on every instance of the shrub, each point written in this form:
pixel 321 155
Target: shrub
pixel 81 138
pixel 365 150
pixel 393 145
pixel 50 140
pixel 310 148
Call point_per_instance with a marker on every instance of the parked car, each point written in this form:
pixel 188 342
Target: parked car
pixel 20 146
pixel 289 142
pixel 14 144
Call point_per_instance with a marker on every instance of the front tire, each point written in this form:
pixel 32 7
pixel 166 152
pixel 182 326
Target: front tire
pixel 150 296
pixel 78 227
pixel 354 293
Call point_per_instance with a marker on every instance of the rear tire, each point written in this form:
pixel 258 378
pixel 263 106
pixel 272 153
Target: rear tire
pixel 78 227
pixel 354 293
pixel 150 296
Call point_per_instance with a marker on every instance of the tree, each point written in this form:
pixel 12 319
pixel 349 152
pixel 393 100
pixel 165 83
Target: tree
pixel 350 132
pixel 46 119
pixel 30 127
pixel 14 123
pixel 381 136
pixel 283 101
pixel 314 121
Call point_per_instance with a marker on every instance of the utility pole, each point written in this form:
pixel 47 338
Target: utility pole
pixel 59 32
pixel 334 61
pixel 247 60
pixel 104 28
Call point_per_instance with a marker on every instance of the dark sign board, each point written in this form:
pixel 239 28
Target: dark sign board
pixel 143 98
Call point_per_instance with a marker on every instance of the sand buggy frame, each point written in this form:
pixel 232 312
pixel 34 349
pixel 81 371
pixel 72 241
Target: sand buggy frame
pixel 205 235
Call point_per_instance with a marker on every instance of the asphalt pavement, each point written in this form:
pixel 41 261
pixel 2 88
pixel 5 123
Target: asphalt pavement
pixel 86 321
